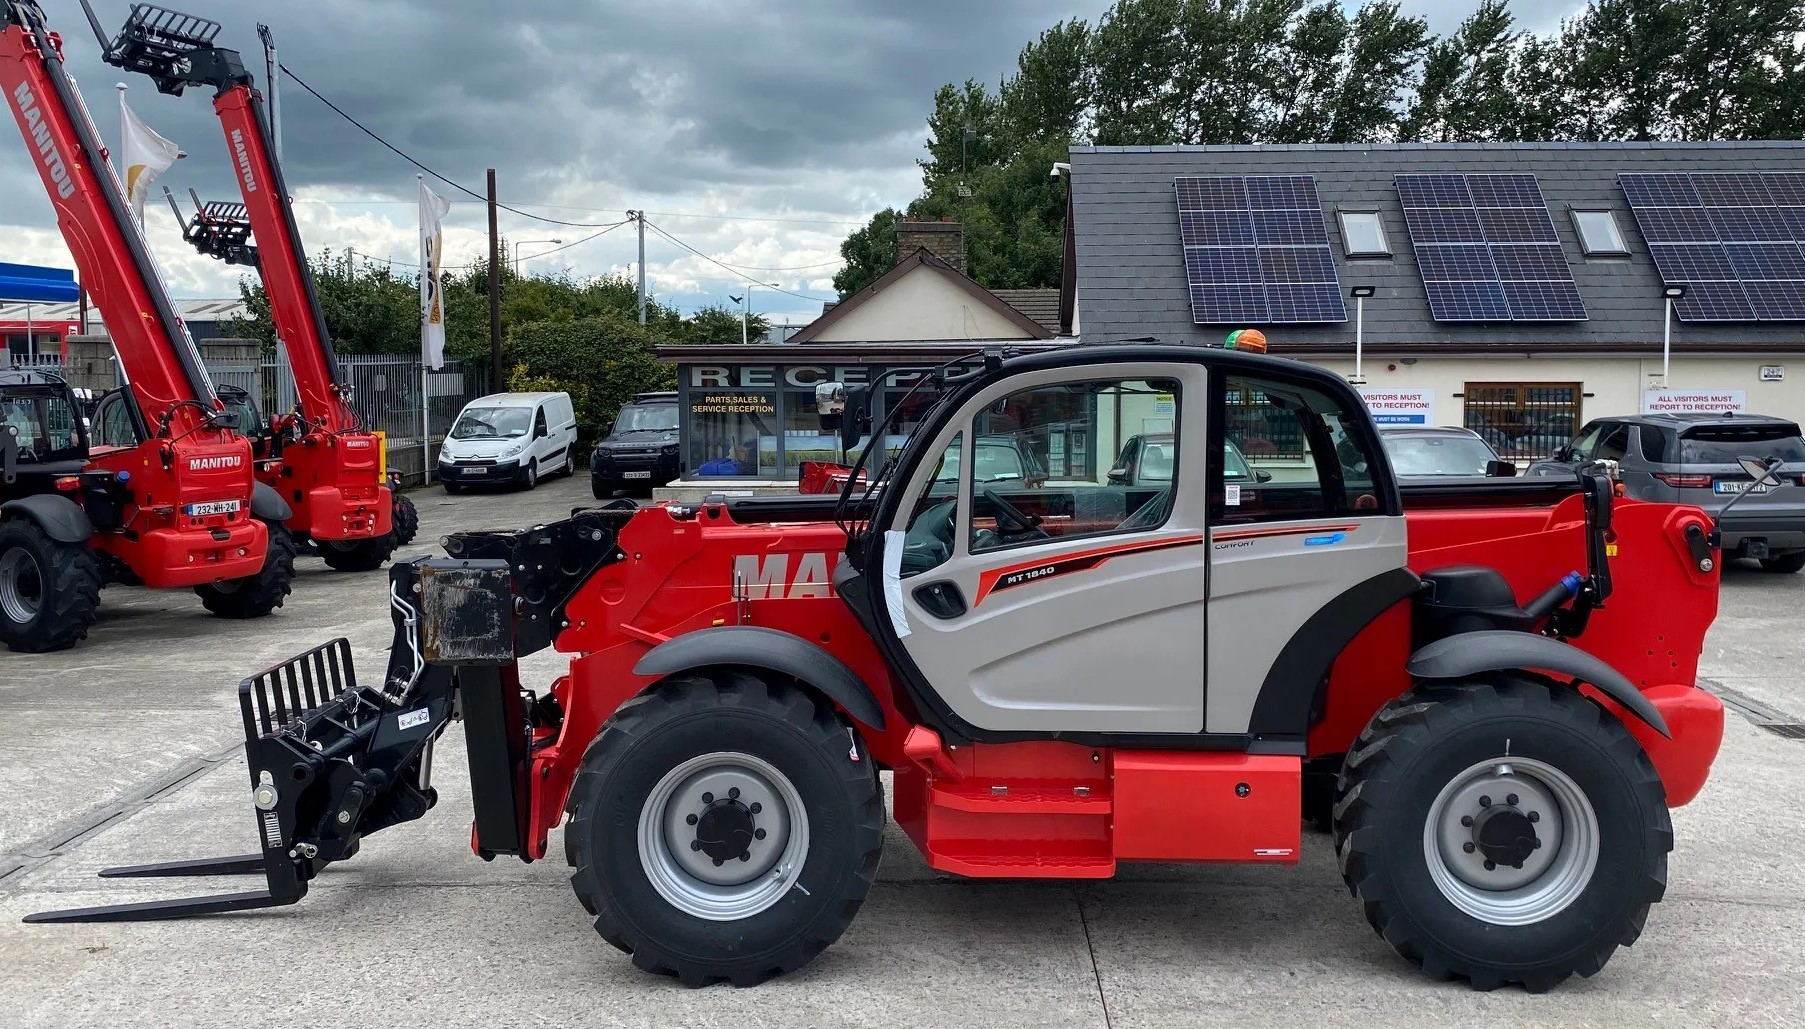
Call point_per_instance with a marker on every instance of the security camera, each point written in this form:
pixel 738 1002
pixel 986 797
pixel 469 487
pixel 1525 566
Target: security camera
pixel 1059 167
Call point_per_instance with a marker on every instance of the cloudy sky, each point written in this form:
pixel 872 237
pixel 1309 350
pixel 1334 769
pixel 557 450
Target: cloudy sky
pixel 760 133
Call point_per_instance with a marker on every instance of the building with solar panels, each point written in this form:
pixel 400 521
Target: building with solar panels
pixel 1520 289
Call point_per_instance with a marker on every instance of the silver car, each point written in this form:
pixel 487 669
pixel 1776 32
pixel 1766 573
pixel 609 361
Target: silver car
pixel 1692 459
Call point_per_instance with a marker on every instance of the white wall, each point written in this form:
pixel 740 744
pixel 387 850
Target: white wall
pixel 1614 385
pixel 924 304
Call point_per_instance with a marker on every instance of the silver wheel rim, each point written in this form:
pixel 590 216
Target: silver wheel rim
pixel 1493 801
pixel 21 585
pixel 751 806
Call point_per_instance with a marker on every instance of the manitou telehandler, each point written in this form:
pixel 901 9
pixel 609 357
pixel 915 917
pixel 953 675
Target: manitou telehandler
pixel 171 500
pixel 318 456
pixel 1061 678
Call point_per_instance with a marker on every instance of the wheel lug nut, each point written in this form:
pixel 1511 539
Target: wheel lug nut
pixel 747 856
pixel 717 862
pixel 1535 846
pixel 691 819
pixel 757 807
pixel 733 793
pixel 695 844
pixel 1516 864
pixel 758 834
pixel 1490 866
pixel 1535 816
pixel 708 798
pixel 1511 800
pixel 1483 801
pixel 1468 847
pixel 1466 821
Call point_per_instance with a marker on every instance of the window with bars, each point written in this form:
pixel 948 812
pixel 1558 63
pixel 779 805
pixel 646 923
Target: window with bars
pixel 1523 421
pixel 1261 430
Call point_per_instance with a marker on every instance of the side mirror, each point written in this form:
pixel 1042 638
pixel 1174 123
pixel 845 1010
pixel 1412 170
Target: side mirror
pixel 1118 476
pixel 855 403
pixel 540 432
pixel 1262 475
pixel 1501 469
pixel 1765 473
pixel 1563 453
pixel 830 404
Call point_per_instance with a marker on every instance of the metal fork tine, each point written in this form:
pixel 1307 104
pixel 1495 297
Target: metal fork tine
pixel 263 706
pixel 307 684
pixel 296 708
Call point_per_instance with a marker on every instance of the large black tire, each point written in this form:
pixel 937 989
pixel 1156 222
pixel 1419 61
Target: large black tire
pixel 680 721
pixel 49 591
pixel 602 489
pixel 361 556
pixel 453 488
pixel 1785 564
pixel 406 521
pixel 529 476
pixel 1425 742
pixel 255 595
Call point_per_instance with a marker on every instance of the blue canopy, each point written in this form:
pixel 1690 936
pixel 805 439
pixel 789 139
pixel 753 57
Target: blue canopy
pixel 37 285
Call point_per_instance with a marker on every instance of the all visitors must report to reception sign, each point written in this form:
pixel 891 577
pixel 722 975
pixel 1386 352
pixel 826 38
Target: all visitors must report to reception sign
pixel 1399 406
pixel 1694 401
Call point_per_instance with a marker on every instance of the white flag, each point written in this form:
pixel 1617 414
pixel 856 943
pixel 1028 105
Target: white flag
pixel 143 155
pixel 432 265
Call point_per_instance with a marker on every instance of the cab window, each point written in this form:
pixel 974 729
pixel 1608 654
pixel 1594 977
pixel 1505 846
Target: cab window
pixel 539 423
pixel 1289 451
pixel 113 423
pixel 43 427
pixel 928 538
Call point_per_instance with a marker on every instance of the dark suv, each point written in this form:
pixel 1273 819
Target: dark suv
pixel 1691 459
pixel 641 450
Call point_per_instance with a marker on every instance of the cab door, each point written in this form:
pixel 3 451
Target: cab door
pixel 1306 546
pixel 1068 603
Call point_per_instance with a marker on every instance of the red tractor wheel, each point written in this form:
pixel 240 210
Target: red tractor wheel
pixel 724 828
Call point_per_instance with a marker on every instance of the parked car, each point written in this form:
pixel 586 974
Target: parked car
pixel 640 450
pixel 1000 459
pixel 509 438
pixel 1147 461
pixel 1435 452
pixel 1692 459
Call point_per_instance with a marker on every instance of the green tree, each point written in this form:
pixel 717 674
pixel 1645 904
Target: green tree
pixel 1628 65
pixel 869 253
pixel 964 132
pixel 1735 54
pixel 1047 96
pixel 600 361
pixel 1133 53
pixel 1383 65
pixel 1465 95
pixel 716 324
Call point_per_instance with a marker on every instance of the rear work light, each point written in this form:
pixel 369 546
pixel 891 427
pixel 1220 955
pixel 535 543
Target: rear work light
pixel 1684 481
pixel 68 482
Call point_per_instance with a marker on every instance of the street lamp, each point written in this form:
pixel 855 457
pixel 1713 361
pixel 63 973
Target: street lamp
pixel 1669 294
pixel 1360 293
pixel 746 305
pixel 517 245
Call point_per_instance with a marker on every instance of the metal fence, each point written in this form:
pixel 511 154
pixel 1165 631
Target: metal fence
pixel 387 394
pixel 1523 421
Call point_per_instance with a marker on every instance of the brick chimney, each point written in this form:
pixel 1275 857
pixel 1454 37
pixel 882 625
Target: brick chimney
pixel 944 239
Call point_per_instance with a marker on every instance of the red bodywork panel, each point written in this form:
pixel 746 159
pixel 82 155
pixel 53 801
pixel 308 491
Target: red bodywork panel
pixel 678 578
pixel 331 477
pixel 192 462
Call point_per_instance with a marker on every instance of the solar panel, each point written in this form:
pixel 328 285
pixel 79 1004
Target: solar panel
pixel 1735 240
pixel 1487 248
pixel 1257 250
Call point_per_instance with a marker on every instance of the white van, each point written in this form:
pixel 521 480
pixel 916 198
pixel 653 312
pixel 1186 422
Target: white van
pixel 513 438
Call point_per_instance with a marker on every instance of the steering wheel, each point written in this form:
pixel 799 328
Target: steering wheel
pixel 1010 518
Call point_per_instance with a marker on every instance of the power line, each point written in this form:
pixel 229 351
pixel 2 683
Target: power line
pixel 736 271
pixel 791 268
pixel 595 210
pixel 404 156
pixel 580 242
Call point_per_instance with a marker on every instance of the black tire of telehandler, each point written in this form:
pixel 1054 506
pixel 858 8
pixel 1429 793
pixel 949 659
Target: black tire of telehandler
pixel 406 521
pixel 68 578
pixel 1413 747
pixel 255 595
pixel 1785 564
pixel 361 556
pixel 679 719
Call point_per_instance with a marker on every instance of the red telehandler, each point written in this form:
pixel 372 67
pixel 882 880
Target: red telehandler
pixel 318 456
pixel 1061 677
pixel 171 500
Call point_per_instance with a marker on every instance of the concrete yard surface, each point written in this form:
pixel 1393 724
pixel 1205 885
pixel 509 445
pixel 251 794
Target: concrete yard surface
pixel 124 750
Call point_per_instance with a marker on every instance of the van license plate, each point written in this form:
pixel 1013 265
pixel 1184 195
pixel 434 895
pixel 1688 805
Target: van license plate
pixel 217 507
pixel 479 470
pixel 636 475
pixel 1737 486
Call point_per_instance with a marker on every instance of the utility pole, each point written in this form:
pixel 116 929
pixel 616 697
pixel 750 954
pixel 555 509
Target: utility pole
pixel 494 292
pixel 272 71
pixel 640 218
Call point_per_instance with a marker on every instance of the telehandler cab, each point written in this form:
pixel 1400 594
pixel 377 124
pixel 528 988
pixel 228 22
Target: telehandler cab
pixel 1061 678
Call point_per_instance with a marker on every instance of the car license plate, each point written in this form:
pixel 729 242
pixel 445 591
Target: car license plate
pixel 217 507
pixel 1737 486
pixel 636 475
pixel 479 470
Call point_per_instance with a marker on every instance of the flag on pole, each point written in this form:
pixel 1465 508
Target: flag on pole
pixel 143 155
pixel 432 265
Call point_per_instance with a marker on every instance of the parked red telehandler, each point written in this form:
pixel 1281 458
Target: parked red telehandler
pixel 1061 678
pixel 171 501
pixel 318 456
